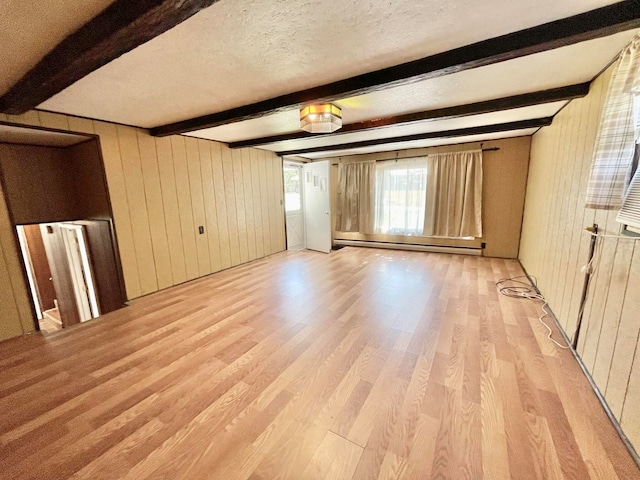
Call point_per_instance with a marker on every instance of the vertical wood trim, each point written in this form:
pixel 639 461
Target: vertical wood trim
pixel 573 229
pixel 83 125
pixel 197 204
pixel 212 231
pixel 155 209
pixel 183 189
pixel 53 120
pixel 160 188
pixel 134 185
pixel 585 216
pixel 257 207
pixel 232 218
pixel 238 183
pixel 554 247
pixel 279 204
pixel 15 306
pixel 248 203
pixel 626 344
pixel 171 210
pixel 120 205
pixel 221 204
pixel 272 186
pixel 264 194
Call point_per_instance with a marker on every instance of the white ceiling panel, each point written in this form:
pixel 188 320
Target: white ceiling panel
pixel 421 144
pixel 240 52
pixel 29 30
pixel 516 114
pixel 555 68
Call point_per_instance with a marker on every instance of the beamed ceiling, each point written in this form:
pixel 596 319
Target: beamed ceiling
pixel 407 73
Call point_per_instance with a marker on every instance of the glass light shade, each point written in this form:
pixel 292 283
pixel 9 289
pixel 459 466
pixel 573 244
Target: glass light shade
pixel 325 118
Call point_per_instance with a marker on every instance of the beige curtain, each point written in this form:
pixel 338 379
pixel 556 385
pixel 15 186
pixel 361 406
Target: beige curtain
pixel 454 195
pixel 614 148
pixel 356 191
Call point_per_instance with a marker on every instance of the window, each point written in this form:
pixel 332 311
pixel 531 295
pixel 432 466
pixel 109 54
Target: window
pixel 292 196
pixel 400 197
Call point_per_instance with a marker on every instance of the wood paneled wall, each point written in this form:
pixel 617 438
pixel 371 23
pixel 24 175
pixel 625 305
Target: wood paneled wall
pixel 46 184
pixel 504 181
pixel 161 190
pixel 554 247
pixel 38 183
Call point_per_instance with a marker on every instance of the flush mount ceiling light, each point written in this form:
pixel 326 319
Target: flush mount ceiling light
pixel 324 118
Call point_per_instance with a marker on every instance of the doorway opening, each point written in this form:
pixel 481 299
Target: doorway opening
pixel 58 205
pixel 307 205
pixel 61 273
pixel 294 205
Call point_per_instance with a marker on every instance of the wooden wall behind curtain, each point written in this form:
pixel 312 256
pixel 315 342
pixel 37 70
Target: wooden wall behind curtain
pixel 504 181
pixel 554 247
pixel 161 190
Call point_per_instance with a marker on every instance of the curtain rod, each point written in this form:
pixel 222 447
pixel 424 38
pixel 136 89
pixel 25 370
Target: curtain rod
pixel 492 149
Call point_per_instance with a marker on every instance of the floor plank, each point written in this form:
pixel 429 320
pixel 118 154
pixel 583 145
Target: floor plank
pixel 361 364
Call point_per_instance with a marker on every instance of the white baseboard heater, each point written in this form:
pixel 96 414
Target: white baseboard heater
pixel 411 246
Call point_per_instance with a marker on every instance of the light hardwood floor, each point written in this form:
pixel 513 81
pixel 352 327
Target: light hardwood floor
pixel 361 364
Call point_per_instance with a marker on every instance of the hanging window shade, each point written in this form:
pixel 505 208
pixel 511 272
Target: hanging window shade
pixel 629 213
pixel 400 196
pixel 614 148
pixel 454 195
pixel 356 186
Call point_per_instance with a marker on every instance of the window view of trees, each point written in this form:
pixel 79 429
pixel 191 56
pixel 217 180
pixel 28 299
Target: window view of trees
pixel 400 197
pixel 292 197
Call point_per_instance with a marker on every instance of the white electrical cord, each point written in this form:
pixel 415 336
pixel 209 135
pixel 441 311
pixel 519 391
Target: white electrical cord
pixel 619 237
pixel 527 290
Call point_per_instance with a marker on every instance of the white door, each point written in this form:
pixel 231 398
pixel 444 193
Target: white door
pixel 294 205
pixel 317 206
pixel 79 265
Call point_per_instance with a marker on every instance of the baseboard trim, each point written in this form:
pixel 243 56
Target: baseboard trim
pixel 594 387
pixel 410 246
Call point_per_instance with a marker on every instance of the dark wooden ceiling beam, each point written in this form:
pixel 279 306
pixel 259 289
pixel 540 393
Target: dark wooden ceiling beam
pixel 560 33
pixel 499 104
pixel 460 132
pixel 121 27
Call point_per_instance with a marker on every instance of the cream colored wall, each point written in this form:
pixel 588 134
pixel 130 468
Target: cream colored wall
pixel 504 177
pixel 161 190
pixel 554 247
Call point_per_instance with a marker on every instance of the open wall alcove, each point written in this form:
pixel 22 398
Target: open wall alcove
pixel 50 177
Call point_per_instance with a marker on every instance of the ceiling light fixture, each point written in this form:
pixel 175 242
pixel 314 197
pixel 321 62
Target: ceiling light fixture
pixel 324 118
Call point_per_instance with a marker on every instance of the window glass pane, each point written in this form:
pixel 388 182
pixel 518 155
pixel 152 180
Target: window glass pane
pixel 292 197
pixel 400 197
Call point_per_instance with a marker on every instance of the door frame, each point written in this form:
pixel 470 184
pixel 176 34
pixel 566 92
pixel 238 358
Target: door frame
pixel 16 241
pixel 80 267
pixel 315 175
pixel 299 166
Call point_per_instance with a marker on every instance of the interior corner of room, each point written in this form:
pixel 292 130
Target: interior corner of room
pixel 203 205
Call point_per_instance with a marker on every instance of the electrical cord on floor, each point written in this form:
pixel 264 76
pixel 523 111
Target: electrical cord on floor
pixel 514 288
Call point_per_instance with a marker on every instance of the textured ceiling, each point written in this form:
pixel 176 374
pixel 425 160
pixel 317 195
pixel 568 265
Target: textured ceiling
pixel 421 144
pixel 30 29
pixel 238 52
pixel 235 53
pixel 516 114
pixel 555 68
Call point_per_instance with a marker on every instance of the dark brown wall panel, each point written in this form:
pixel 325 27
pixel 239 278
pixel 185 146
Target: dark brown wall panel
pixel 37 184
pixel 62 282
pixel 45 184
pixel 88 179
pixel 104 267
pixel 41 270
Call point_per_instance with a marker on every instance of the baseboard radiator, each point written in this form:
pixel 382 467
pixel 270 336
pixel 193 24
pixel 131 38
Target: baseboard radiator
pixel 410 246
